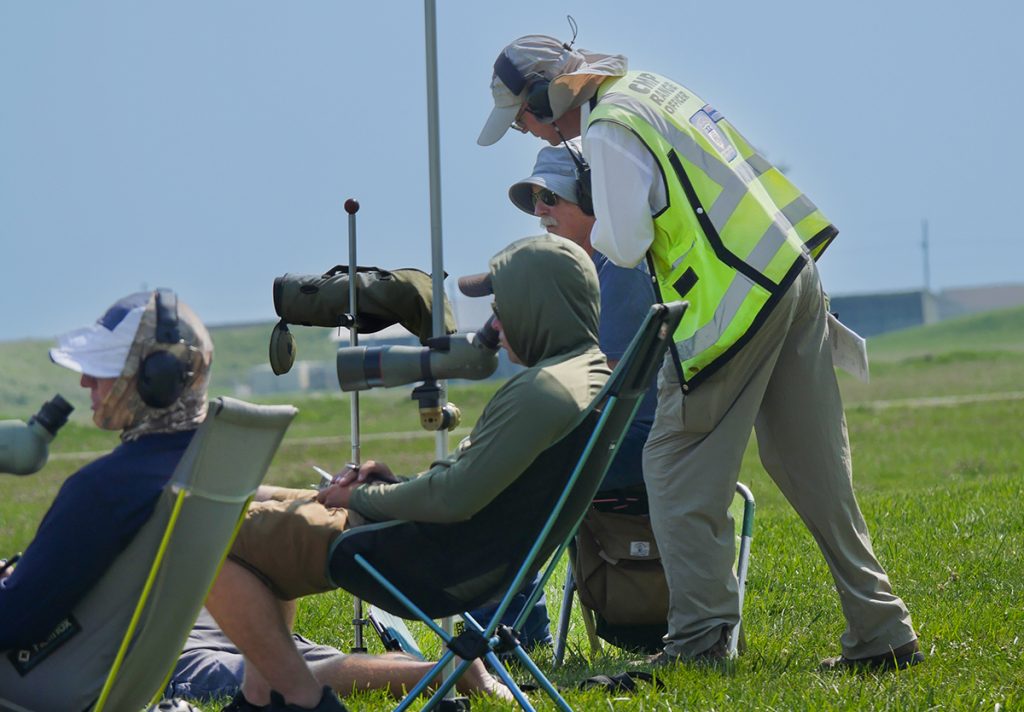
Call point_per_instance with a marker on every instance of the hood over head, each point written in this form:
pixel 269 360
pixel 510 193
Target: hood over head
pixel 547 297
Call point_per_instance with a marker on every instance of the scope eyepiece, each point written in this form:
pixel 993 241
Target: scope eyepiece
pixel 24 446
pixel 54 414
pixel 488 334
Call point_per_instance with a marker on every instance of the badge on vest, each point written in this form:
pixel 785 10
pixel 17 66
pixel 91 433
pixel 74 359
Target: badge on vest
pixel 24 660
pixel 704 120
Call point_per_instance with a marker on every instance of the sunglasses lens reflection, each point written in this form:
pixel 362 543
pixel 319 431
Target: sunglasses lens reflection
pixel 545 196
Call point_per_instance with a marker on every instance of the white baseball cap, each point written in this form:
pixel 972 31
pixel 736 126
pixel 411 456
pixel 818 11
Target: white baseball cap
pixel 574 74
pixel 100 350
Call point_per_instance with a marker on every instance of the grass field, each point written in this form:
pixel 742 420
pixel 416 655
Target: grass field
pixel 940 483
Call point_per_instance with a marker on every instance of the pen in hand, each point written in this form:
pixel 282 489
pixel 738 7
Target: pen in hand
pixel 8 563
pixel 327 479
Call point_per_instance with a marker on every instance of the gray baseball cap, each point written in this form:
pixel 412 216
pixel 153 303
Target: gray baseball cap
pixel 554 170
pixel 575 75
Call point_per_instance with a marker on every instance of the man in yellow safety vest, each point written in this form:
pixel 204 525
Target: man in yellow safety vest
pixel 673 182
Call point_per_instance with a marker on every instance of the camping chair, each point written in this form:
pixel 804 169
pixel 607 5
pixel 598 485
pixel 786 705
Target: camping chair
pixel 428 571
pixel 134 623
pixel 593 629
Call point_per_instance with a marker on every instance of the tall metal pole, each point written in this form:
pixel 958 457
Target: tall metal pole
pixel 352 207
pixel 924 252
pixel 436 240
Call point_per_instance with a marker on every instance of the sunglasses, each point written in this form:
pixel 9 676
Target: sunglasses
pixel 517 123
pixel 545 196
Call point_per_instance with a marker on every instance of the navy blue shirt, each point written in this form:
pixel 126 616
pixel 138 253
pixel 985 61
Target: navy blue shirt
pixel 95 515
pixel 626 297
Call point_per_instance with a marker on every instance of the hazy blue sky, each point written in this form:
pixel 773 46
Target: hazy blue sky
pixel 209 146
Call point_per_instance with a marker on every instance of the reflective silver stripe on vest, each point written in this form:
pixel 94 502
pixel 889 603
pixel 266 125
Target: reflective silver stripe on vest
pixel 798 209
pixel 758 164
pixel 732 182
pixel 771 242
pixel 709 334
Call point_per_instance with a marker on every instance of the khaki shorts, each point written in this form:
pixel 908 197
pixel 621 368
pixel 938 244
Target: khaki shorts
pixel 285 541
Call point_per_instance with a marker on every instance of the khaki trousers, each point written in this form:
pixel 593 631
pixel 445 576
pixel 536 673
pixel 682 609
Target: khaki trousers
pixel 783 386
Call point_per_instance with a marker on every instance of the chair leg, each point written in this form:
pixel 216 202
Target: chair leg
pixel 502 672
pixel 446 685
pixel 565 614
pixel 537 675
pixel 424 683
pixel 590 624
pixel 746 537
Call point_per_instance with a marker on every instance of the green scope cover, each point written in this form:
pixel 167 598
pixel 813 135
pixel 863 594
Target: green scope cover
pixel 383 298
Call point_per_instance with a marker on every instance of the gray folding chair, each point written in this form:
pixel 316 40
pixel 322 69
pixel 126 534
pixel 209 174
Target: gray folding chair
pixel 134 623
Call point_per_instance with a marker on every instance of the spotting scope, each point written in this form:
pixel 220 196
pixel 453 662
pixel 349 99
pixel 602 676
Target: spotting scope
pixel 24 446
pixel 465 355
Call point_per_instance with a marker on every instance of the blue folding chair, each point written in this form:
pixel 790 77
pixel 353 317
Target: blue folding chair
pixel 428 571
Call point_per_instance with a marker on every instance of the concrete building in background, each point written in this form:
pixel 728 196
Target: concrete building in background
pixel 873 314
pixel 962 301
pixel 304 376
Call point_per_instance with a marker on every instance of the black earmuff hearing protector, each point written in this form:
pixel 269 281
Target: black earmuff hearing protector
pixel 538 102
pixel 163 375
pixel 584 198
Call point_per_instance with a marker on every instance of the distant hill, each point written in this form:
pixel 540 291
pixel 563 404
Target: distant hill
pixel 1000 330
pixel 28 378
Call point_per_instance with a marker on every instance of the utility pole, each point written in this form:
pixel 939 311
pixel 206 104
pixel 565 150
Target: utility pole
pixel 924 256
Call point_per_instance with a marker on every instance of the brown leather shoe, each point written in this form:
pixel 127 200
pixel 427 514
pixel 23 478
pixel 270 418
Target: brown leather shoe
pixel 896 659
pixel 716 654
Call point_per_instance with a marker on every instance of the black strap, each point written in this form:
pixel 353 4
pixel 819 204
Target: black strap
pixel 711 232
pixel 672 339
pixel 509 74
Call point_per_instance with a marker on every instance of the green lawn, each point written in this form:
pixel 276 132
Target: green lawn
pixel 940 486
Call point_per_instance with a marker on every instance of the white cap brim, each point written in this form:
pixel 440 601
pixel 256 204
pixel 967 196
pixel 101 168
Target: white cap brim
pixel 96 350
pixel 498 123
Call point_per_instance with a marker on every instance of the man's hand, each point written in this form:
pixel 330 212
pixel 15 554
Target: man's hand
pixel 336 495
pixel 369 471
pixel 339 492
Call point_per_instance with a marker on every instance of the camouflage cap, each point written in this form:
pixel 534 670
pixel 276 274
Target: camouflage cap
pixel 123 408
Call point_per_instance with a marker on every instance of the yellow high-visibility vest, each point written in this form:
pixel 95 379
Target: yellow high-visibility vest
pixel 736 232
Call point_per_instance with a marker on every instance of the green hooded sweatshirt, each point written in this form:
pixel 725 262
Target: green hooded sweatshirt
pixel 546 295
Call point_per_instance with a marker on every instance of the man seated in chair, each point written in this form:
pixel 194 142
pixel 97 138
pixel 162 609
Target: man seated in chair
pixel 154 393
pixel 546 303
pixel 555 194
